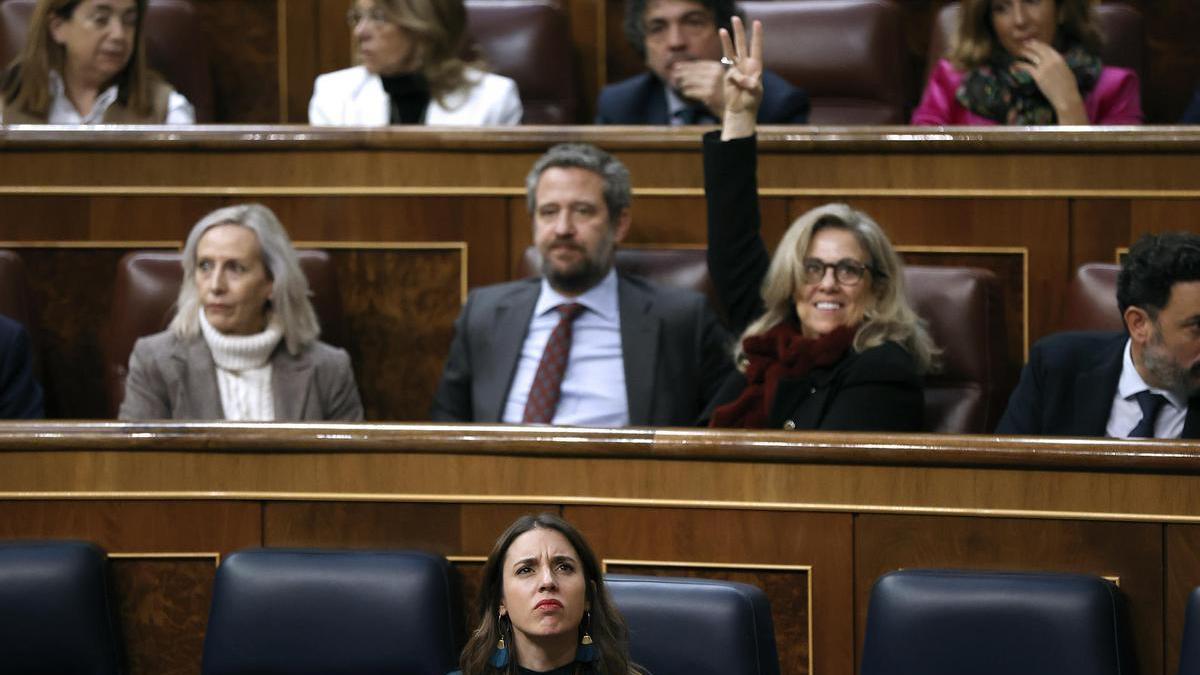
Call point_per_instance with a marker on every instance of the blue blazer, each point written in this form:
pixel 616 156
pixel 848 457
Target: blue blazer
pixel 1067 387
pixel 642 100
pixel 20 394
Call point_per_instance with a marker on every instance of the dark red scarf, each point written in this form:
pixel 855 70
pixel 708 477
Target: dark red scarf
pixel 782 353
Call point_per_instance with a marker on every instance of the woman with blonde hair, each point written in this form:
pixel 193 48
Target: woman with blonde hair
pixel 828 339
pixel 411 71
pixel 1028 62
pixel 243 343
pixel 543 607
pixel 84 62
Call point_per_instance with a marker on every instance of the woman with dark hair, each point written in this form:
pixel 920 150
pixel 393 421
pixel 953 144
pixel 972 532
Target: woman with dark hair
pixel 411 71
pixel 543 607
pixel 828 338
pixel 84 62
pixel 1028 62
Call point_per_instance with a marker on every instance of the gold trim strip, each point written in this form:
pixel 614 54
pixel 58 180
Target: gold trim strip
pixel 467 558
pixel 605 501
pixel 156 555
pixel 90 244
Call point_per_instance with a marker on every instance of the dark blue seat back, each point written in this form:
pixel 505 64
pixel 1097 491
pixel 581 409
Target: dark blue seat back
pixel 316 612
pixel 56 614
pixel 683 626
pixel 1189 658
pixel 949 622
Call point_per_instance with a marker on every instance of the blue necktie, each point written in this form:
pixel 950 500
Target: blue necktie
pixel 1150 403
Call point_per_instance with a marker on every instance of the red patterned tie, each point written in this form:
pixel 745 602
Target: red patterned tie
pixel 547 383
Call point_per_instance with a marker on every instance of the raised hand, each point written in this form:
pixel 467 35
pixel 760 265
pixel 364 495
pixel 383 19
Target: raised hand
pixel 1054 78
pixel 743 79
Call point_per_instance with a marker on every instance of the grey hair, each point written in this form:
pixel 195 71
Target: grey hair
pixel 289 301
pixel 618 194
pixel 889 318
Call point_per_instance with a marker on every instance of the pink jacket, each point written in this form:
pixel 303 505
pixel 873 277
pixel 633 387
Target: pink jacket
pixel 1116 99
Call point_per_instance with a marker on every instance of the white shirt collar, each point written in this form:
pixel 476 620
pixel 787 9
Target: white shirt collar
pixel 601 298
pixel 63 111
pixel 1131 382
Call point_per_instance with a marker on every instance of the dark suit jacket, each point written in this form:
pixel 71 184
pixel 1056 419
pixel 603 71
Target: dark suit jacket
pixel 20 394
pixel 1067 387
pixel 1192 115
pixel 676 353
pixel 879 389
pixel 171 378
pixel 641 100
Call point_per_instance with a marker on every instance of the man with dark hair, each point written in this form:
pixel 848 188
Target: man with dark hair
pixel 582 344
pixel 20 395
pixel 679 40
pixel 1142 383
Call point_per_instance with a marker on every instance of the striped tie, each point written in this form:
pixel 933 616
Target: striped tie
pixel 547 383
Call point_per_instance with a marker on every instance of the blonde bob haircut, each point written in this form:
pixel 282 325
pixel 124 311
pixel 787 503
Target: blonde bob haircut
pixel 289 304
pixel 26 82
pixel 888 318
pixel 976 42
pixel 438 29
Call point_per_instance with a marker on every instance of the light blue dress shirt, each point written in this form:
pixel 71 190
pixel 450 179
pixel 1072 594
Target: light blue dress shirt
pixel 593 387
pixel 1126 413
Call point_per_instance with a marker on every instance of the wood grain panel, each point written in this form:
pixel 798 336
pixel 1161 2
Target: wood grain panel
pixel 1098 228
pixel 163 606
pixel 1162 215
pixel 822 541
pixel 1182 576
pixel 1133 552
pixel 788 589
pixel 243 52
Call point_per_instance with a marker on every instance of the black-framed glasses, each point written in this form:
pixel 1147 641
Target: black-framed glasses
pixel 375 15
pixel 846 271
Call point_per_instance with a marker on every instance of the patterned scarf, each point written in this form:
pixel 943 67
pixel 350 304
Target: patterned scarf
pixel 782 353
pixel 998 92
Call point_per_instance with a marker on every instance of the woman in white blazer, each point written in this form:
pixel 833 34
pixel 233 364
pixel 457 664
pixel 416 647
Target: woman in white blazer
pixel 410 72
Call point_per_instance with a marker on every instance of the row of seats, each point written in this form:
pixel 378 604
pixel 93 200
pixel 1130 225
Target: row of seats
pixel 848 54
pixel 313 612
pixel 305 611
pixel 961 305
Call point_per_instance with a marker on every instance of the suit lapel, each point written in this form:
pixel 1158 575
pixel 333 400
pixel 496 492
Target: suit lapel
pixel 510 322
pixel 290 380
pixel 1094 391
pixel 200 397
pixel 656 101
pixel 639 348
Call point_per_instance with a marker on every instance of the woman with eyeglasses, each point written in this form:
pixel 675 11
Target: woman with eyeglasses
pixel 84 62
pixel 411 71
pixel 828 339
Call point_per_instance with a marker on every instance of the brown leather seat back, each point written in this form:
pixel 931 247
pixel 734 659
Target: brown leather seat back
pixel 144 294
pixel 1091 302
pixel 963 309
pixel 673 267
pixel 848 54
pixel 174 46
pixel 529 41
pixel 1120 24
pixel 14 292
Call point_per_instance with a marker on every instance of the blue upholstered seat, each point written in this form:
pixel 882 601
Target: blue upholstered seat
pixel 324 612
pixel 683 626
pixel 56 615
pixel 949 622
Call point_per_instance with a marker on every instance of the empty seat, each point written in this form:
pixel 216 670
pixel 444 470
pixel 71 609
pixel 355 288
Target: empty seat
pixel 1091 302
pixel 56 613
pixel 684 626
pixel 144 294
pixel 849 56
pixel 174 46
pixel 949 622
pixel 1120 24
pixel 529 41
pixel 313 612
pixel 963 308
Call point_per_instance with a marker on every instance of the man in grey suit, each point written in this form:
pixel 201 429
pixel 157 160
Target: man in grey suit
pixel 637 354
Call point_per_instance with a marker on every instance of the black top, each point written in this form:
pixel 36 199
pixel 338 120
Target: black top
pixel 409 96
pixel 878 389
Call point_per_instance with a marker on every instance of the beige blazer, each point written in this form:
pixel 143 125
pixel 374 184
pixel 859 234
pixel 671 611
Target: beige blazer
pixel 171 378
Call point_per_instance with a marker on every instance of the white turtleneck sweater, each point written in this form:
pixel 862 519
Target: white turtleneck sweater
pixel 244 370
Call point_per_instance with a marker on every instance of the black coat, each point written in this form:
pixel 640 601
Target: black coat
pixel 20 395
pixel 879 389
